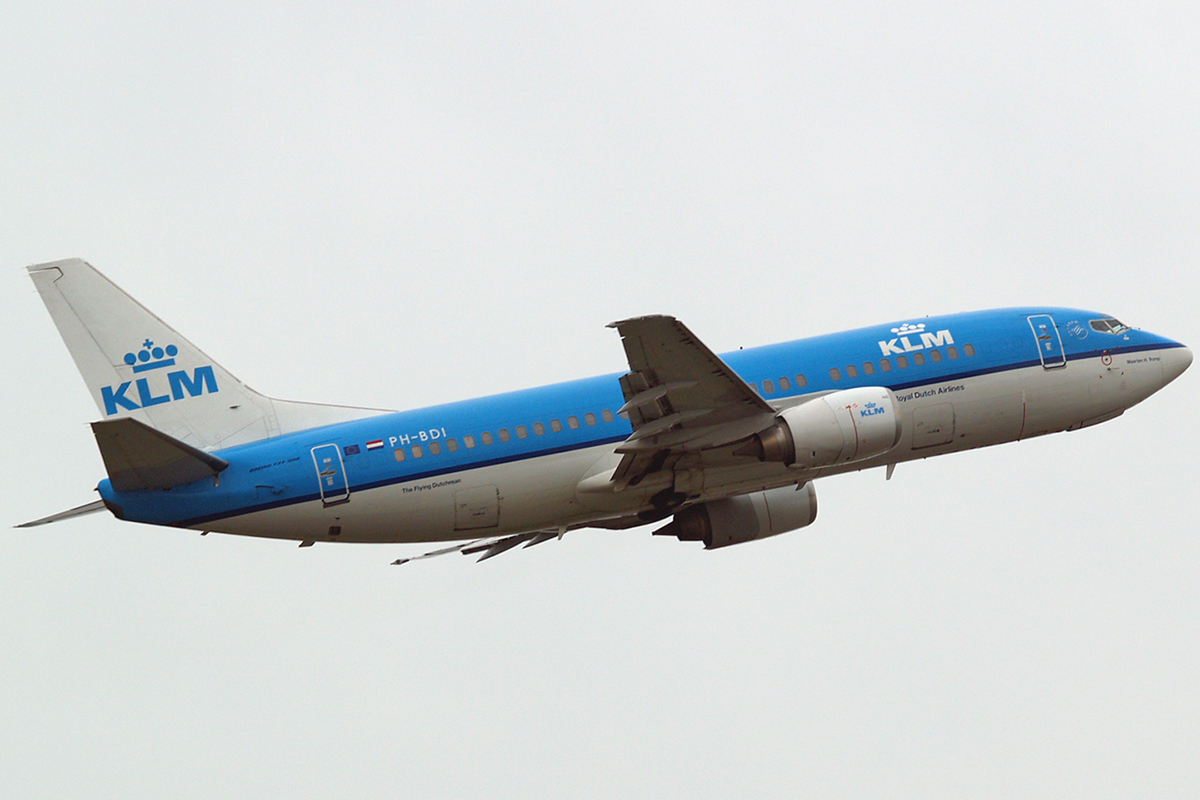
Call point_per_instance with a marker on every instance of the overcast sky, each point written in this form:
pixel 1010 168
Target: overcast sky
pixel 397 204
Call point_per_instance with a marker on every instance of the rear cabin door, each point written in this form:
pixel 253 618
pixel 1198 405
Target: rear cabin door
pixel 1050 347
pixel 331 474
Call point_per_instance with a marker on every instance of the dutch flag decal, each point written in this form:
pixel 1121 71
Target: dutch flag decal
pixel 375 445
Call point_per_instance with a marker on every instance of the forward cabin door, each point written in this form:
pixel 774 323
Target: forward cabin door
pixel 1050 347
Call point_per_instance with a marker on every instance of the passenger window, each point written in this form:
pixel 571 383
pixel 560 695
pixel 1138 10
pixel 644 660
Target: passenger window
pixel 452 445
pixel 589 418
pixel 399 453
pixel 935 356
pixel 868 368
pixel 469 441
pixel 572 422
pixel 801 381
pixel 754 386
pixel 417 452
pixel 901 362
pixel 485 437
pixel 434 448
pixel 968 350
pixel 503 434
pixel 851 371
pixel 919 359
pixel 521 432
pixel 784 384
pixel 885 366
pixel 606 415
pixel 538 429
pixel 834 374
pixel 555 425
pixel 768 387
pixel 951 353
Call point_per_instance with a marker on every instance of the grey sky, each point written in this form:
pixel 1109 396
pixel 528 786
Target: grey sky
pixel 395 205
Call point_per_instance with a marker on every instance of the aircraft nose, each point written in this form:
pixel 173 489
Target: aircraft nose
pixel 1175 361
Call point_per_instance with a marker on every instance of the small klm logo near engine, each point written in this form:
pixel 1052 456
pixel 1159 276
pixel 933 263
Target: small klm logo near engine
pixel 871 409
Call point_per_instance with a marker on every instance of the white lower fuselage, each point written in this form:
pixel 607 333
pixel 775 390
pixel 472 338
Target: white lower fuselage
pixel 542 492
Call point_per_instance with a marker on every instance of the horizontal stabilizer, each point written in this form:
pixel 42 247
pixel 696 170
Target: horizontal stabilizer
pixel 140 457
pixel 79 511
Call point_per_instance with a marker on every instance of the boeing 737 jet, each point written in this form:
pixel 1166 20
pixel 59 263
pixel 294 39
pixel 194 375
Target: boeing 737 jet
pixel 727 447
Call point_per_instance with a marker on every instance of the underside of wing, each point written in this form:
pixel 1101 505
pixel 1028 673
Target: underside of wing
pixel 680 398
pixel 489 546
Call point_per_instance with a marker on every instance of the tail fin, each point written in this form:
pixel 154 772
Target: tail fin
pixel 137 366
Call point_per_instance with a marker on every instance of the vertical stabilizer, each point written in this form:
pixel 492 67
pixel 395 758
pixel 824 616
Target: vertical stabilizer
pixel 135 365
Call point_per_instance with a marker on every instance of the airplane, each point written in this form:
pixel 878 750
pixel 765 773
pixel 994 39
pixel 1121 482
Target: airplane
pixel 726 446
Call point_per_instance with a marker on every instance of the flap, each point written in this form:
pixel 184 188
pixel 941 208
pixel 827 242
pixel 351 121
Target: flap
pixel 140 457
pixel 670 367
pixel 680 397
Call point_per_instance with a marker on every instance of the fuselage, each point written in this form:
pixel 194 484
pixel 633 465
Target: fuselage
pixel 537 459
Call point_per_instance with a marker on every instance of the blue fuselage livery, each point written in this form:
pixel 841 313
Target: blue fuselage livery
pixel 728 446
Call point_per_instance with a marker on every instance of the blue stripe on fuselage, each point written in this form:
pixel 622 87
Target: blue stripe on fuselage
pixel 280 472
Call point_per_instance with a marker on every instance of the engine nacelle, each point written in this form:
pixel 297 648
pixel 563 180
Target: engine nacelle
pixel 838 428
pixel 734 520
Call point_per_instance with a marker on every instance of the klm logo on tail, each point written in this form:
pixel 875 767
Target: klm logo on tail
pixel 180 385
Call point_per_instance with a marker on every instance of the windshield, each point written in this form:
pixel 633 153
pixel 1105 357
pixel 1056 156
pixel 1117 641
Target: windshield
pixel 1109 325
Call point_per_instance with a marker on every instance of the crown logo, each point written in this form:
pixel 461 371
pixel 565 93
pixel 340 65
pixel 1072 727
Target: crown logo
pixel 152 357
pixel 906 329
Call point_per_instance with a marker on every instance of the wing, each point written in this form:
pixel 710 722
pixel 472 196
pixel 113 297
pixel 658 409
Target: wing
pixel 495 545
pixel 490 546
pixel 680 399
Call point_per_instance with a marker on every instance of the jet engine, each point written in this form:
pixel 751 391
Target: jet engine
pixel 839 428
pixel 733 520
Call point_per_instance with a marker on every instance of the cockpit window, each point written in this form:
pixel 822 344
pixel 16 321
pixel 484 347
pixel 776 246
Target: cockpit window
pixel 1109 325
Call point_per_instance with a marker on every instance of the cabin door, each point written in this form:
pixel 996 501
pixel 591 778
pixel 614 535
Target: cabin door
pixel 1049 344
pixel 331 474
